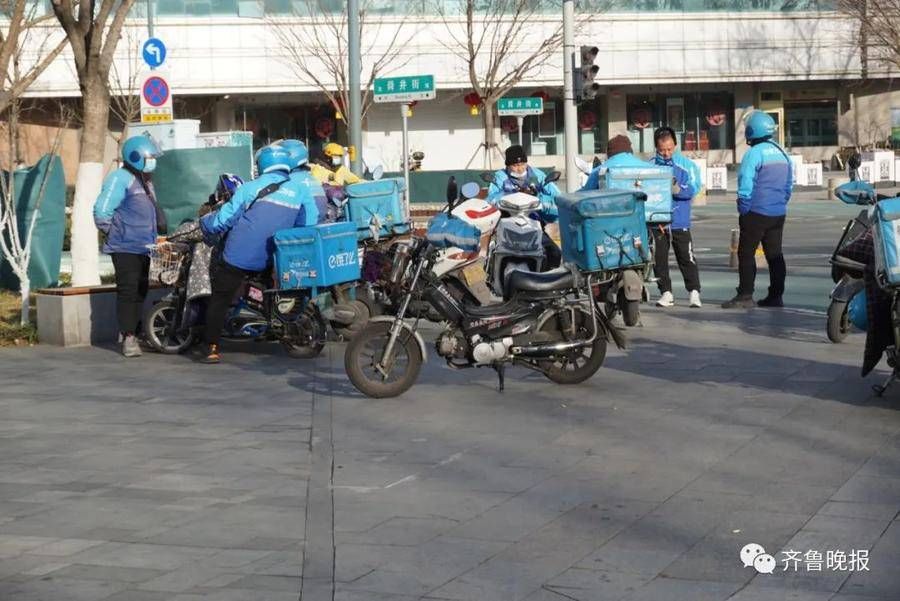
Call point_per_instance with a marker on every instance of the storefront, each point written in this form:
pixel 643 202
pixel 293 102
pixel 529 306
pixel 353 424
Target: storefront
pixel 703 121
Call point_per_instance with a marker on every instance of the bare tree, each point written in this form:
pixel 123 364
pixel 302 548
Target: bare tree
pixel 17 235
pixel 504 43
pixel 93 33
pixel 15 34
pixel 879 30
pixel 125 101
pixel 315 42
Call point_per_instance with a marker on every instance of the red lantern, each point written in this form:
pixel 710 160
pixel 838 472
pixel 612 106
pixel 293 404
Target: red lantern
pixel 324 128
pixel 587 120
pixel 542 95
pixel 508 124
pixel 715 115
pixel 641 117
pixel 473 100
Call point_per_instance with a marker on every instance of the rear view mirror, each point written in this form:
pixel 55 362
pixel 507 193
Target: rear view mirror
pixel 583 165
pixel 471 190
pixel 553 177
pixel 487 177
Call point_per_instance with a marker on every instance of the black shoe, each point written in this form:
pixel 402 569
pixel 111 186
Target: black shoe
pixel 212 356
pixel 770 301
pixel 739 302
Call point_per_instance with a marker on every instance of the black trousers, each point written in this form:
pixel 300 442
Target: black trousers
pixel 226 280
pixel 680 240
pixel 552 254
pixel 132 275
pixel 756 228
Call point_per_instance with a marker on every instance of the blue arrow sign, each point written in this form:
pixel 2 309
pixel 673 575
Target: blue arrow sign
pixel 154 52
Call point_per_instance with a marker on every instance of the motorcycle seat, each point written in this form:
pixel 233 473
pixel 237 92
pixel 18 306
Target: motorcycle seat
pixel 490 310
pixel 548 281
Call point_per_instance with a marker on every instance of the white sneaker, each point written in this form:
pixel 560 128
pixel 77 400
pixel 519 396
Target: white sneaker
pixel 666 300
pixel 695 299
pixel 131 347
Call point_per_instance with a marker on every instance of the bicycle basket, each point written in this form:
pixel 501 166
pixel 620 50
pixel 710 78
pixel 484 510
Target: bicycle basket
pixel 166 259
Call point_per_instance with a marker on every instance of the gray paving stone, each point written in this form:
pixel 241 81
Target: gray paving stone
pixel 587 585
pixel 109 573
pixel 50 589
pixel 667 589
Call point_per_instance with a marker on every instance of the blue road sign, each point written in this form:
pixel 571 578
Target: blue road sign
pixel 154 52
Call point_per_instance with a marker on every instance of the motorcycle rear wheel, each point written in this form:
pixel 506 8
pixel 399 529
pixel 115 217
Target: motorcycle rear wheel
pixel 631 310
pixel 157 321
pixel 838 325
pixel 367 347
pixel 305 337
pixel 580 364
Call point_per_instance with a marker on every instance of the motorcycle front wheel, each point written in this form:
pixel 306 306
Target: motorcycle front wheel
pixel 576 366
pixel 838 325
pixel 157 322
pixel 366 350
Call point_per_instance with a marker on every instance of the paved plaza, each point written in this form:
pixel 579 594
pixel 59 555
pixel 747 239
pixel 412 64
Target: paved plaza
pixel 267 478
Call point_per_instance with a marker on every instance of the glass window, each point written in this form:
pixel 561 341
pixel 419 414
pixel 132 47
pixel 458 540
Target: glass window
pixel 701 121
pixel 811 123
pixel 593 128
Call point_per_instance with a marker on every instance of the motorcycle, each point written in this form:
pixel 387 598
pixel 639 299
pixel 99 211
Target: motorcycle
pixel 294 317
pixel 627 290
pixel 548 324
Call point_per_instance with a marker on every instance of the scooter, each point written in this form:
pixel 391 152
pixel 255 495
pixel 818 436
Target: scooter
pixel 549 324
pixel 518 241
pixel 847 298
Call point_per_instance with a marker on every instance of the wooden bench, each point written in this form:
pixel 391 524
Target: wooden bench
pixel 82 315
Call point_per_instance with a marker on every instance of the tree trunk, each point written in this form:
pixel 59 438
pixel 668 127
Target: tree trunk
pixel 25 292
pixel 88 181
pixel 490 140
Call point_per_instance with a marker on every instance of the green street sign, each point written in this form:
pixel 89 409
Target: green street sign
pixel 520 107
pixel 404 89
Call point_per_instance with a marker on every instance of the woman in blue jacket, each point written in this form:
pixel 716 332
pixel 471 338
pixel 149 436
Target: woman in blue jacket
pixel 127 213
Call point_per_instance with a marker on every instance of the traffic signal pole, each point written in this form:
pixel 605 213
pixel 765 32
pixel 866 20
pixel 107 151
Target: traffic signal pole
pixel 570 111
pixel 355 60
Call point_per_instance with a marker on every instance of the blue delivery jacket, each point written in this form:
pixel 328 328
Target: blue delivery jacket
pixel 253 221
pixel 126 214
pixel 765 180
pixel 687 176
pixel 313 198
pixel 500 188
pixel 623 159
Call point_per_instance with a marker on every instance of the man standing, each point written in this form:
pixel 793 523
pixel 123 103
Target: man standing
pixel 685 186
pixel 765 182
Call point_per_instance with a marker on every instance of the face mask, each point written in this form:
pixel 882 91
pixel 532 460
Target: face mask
pixel 336 161
pixel 149 164
pixel 518 174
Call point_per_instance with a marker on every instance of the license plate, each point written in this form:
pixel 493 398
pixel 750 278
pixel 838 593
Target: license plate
pixel 474 274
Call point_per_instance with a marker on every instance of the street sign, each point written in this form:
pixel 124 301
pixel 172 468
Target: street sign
pixel 404 89
pixel 156 99
pixel 520 107
pixel 154 52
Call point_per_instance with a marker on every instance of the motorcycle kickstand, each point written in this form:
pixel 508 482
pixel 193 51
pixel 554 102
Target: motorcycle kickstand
pixel 501 375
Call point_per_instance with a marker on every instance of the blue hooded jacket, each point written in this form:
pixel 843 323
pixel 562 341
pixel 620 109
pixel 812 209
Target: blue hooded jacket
pixel 547 196
pixel 687 176
pixel 126 214
pixel 765 180
pixel 252 222
pixel 315 202
pixel 622 159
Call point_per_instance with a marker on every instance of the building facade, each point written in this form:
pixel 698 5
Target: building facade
pixel 696 65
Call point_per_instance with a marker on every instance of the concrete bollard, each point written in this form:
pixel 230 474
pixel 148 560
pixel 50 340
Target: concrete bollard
pixel 760 256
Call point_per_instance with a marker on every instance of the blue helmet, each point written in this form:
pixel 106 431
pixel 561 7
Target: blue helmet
pixel 273 157
pixel 760 125
pixel 140 153
pixel 298 151
pixel 226 186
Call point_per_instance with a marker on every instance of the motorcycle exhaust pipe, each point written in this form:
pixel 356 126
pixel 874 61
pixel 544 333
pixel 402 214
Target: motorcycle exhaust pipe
pixel 548 350
pixel 343 315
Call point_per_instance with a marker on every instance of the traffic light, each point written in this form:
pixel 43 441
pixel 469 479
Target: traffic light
pixel 585 86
